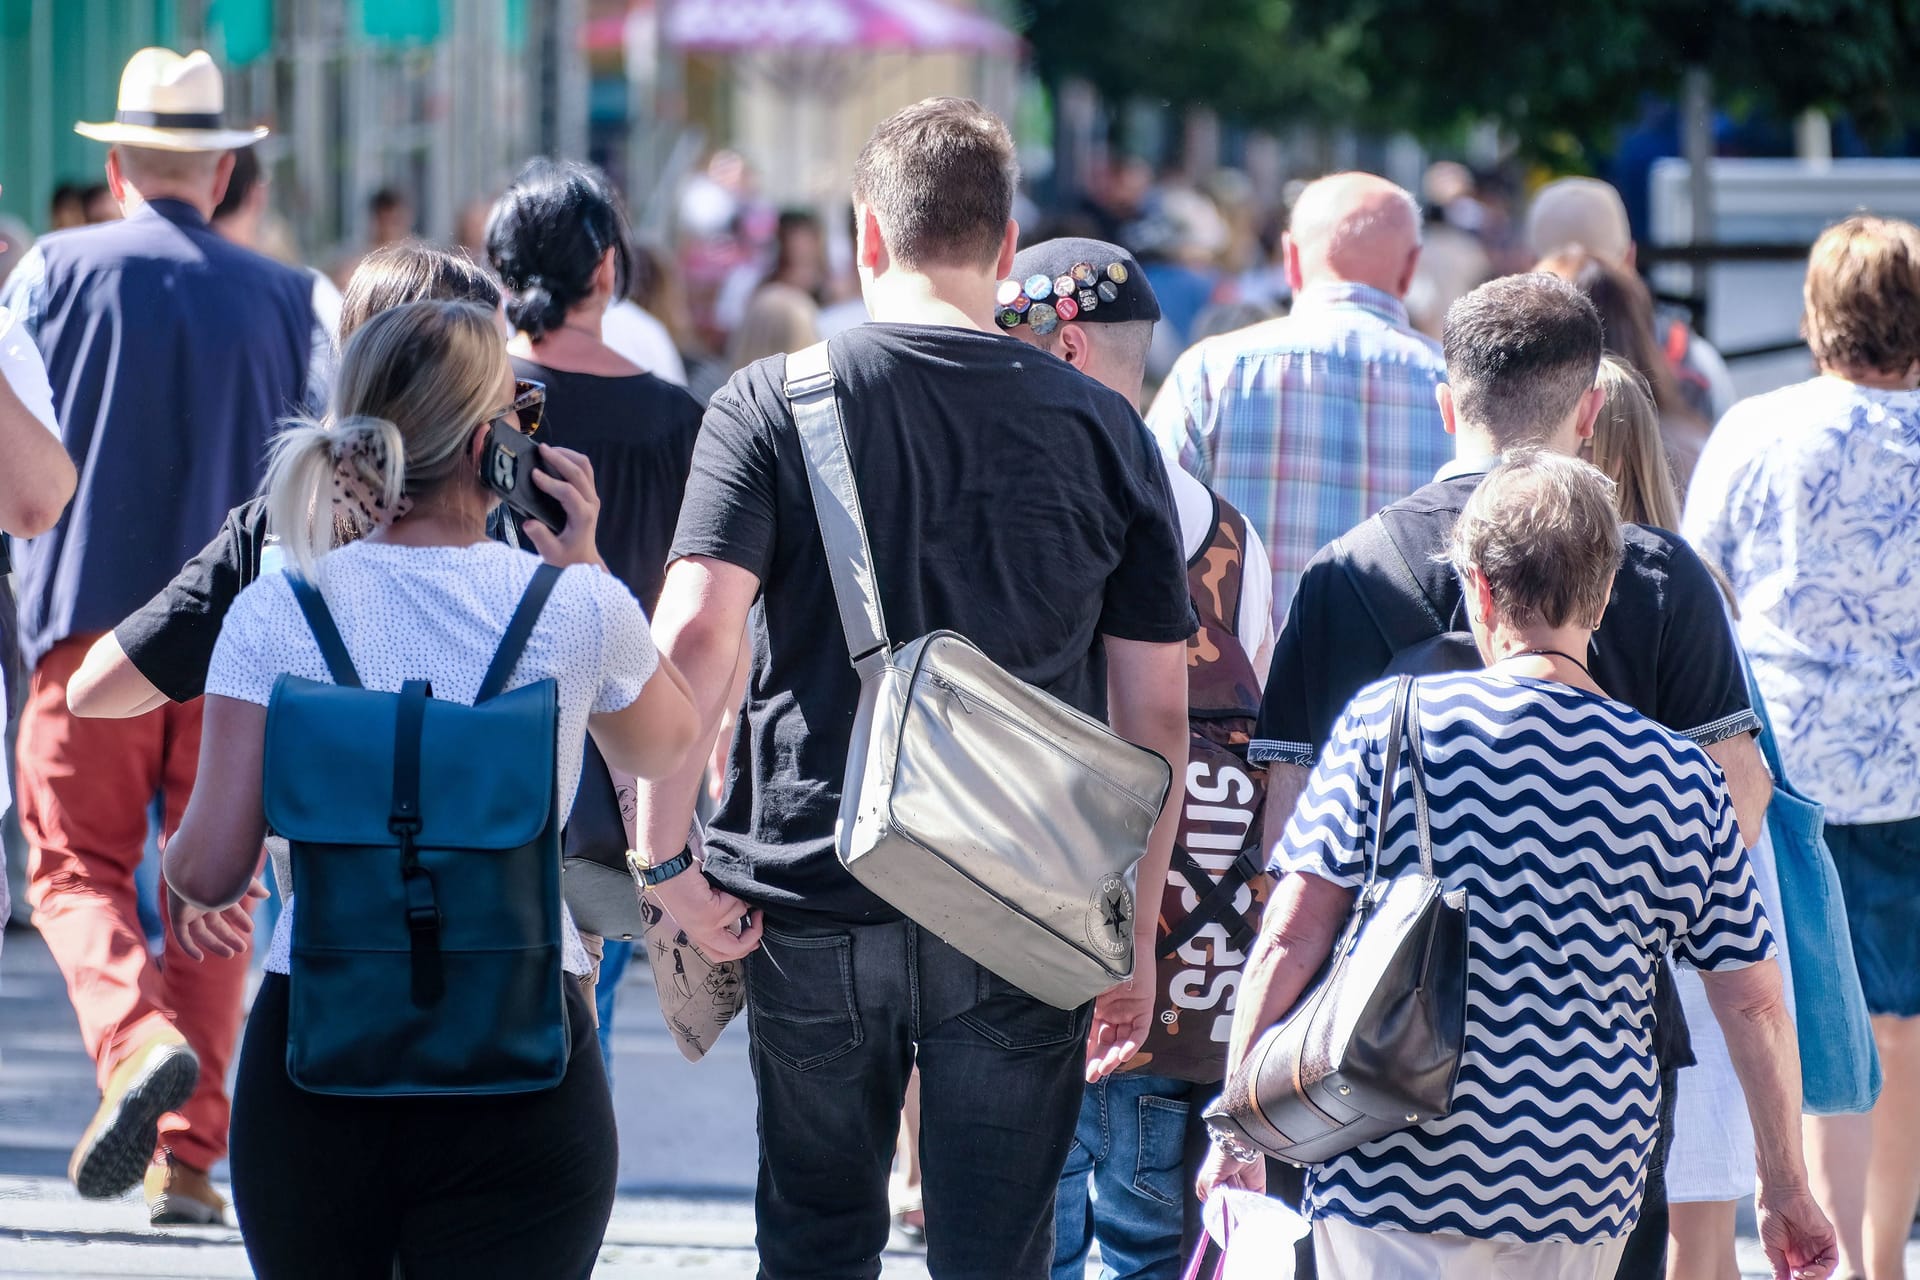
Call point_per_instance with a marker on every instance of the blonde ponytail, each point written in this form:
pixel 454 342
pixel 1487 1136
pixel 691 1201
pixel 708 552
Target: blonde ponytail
pixel 331 483
pixel 414 383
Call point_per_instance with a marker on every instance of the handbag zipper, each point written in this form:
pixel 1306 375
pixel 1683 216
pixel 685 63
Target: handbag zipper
pixel 970 701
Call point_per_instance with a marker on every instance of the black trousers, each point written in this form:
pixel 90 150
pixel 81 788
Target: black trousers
pixel 837 1015
pixel 341 1188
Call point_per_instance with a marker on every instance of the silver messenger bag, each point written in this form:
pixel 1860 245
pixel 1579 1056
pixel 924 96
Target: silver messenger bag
pixel 986 811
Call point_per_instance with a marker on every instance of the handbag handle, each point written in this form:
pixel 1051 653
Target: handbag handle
pixel 811 395
pixel 1403 731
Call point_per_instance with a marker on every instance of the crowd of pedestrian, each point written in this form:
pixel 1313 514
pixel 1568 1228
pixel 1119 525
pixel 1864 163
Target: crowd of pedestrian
pixel 1426 568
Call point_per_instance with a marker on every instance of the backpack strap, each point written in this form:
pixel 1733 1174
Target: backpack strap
pixel 1404 615
pixel 1215 899
pixel 333 650
pixel 403 820
pixel 519 627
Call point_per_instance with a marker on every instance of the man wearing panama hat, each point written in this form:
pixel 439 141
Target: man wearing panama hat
pixel 172 354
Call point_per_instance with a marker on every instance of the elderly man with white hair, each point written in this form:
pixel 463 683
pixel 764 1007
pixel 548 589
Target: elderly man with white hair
pixel 1313 422
pixel 1589 213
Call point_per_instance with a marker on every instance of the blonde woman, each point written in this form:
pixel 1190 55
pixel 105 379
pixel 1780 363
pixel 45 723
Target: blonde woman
pixel 1711 1165
pixel 339 1186
pixel 1629 449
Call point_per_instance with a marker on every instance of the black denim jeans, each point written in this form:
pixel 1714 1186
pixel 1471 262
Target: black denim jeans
pixel 837 1016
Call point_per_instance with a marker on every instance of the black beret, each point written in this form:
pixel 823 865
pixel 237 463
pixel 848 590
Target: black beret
pixel 1090 281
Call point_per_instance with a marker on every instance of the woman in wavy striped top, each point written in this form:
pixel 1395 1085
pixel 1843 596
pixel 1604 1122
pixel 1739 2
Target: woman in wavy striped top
pixel 1589 840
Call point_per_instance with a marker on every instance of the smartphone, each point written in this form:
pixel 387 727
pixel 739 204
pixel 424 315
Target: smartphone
pixel 507 465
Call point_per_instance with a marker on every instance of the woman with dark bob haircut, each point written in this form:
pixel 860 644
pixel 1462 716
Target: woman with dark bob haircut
pixel 558 238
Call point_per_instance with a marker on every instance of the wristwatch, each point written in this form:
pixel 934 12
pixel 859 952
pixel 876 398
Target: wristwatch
pixel 651 876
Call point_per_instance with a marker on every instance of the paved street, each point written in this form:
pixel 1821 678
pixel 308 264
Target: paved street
pixel 686 1167
pixel 686 1153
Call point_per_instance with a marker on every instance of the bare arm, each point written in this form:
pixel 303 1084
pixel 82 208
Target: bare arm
pixel 650 736
pixel 211 863
pixel 1146 705
pixel 39 475
pixel 699 624
pixel 1751 1008
pixel 1296 937
pixel 1748 780
pixel 108 686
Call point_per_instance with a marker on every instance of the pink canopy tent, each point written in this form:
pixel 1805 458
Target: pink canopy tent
pixel 904 26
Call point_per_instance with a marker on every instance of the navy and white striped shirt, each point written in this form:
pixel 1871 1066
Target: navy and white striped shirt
pixel 1589 839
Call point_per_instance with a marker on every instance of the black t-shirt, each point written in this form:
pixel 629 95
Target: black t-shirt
pixel 170 638
pixel 1007 498
pixel 638 433
pixel 1664 648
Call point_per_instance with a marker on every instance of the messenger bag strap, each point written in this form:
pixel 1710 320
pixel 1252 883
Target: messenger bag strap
pixel 519 628
pixel 423 909
pixel 333 650
pixel 811 395
pixel 1404 615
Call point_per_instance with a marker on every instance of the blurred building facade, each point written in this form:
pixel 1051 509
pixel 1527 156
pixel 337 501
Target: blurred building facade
pixel 439 99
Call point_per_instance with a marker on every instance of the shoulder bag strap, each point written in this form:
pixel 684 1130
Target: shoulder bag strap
pixel 403 820
pixel 1389 777
pixel 811 395
pixel 1418 760
pixel 1404 616
pixel 519 627
pixel 325 634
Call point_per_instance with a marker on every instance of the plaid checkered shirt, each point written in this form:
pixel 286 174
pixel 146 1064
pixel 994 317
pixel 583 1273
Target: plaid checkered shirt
pixel 1310 423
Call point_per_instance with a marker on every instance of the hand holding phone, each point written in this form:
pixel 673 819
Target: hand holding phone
pixel 566 477
pixel 508 466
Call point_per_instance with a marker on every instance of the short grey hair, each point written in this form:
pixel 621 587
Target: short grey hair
pixel 149 164
pixel 1542 530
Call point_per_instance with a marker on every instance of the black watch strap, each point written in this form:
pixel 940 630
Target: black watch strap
pixel 651 876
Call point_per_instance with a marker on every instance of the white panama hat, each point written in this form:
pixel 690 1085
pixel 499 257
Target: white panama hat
pixel 171 103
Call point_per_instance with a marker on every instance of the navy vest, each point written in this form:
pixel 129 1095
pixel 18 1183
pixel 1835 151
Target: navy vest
pixel 173 355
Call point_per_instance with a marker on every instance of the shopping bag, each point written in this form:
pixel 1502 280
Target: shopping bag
pixel 1839 1063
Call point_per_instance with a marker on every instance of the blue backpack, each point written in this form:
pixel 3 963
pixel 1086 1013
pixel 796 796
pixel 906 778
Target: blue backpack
pixel 425 840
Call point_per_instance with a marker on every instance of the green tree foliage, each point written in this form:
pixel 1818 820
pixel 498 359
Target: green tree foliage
pixel 1560 74
pixel 1246 59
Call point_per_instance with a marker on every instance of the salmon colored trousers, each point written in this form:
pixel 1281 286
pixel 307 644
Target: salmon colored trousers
pixel 84 791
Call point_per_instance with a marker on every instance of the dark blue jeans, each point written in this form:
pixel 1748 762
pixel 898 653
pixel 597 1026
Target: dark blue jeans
pixel 1130 1150
pixel 837 1015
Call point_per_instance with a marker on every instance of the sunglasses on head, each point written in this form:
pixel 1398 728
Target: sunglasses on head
pixel 528 407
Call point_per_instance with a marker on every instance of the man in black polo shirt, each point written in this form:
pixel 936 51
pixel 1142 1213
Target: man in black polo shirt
pixel 1522 353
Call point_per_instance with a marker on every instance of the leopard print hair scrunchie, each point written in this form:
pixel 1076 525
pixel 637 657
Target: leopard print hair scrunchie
pixel 359 482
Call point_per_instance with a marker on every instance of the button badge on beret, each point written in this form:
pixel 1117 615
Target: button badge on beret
pixel 1007 317
pixel 1063 285
pixel 1108 291
pixel 1117 272
pixel 1082 273
pixel 1066 308
pixel 1020 303
pixel 1089 300
pixel 1043 318
pixel 1039 286
pixel 1007 292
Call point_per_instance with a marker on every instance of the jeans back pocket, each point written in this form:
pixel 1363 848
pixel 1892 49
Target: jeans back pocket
pixel 800 998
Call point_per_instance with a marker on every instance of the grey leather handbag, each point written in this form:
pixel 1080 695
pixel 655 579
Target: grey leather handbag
pixel 983 809
pixel 1373 1046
